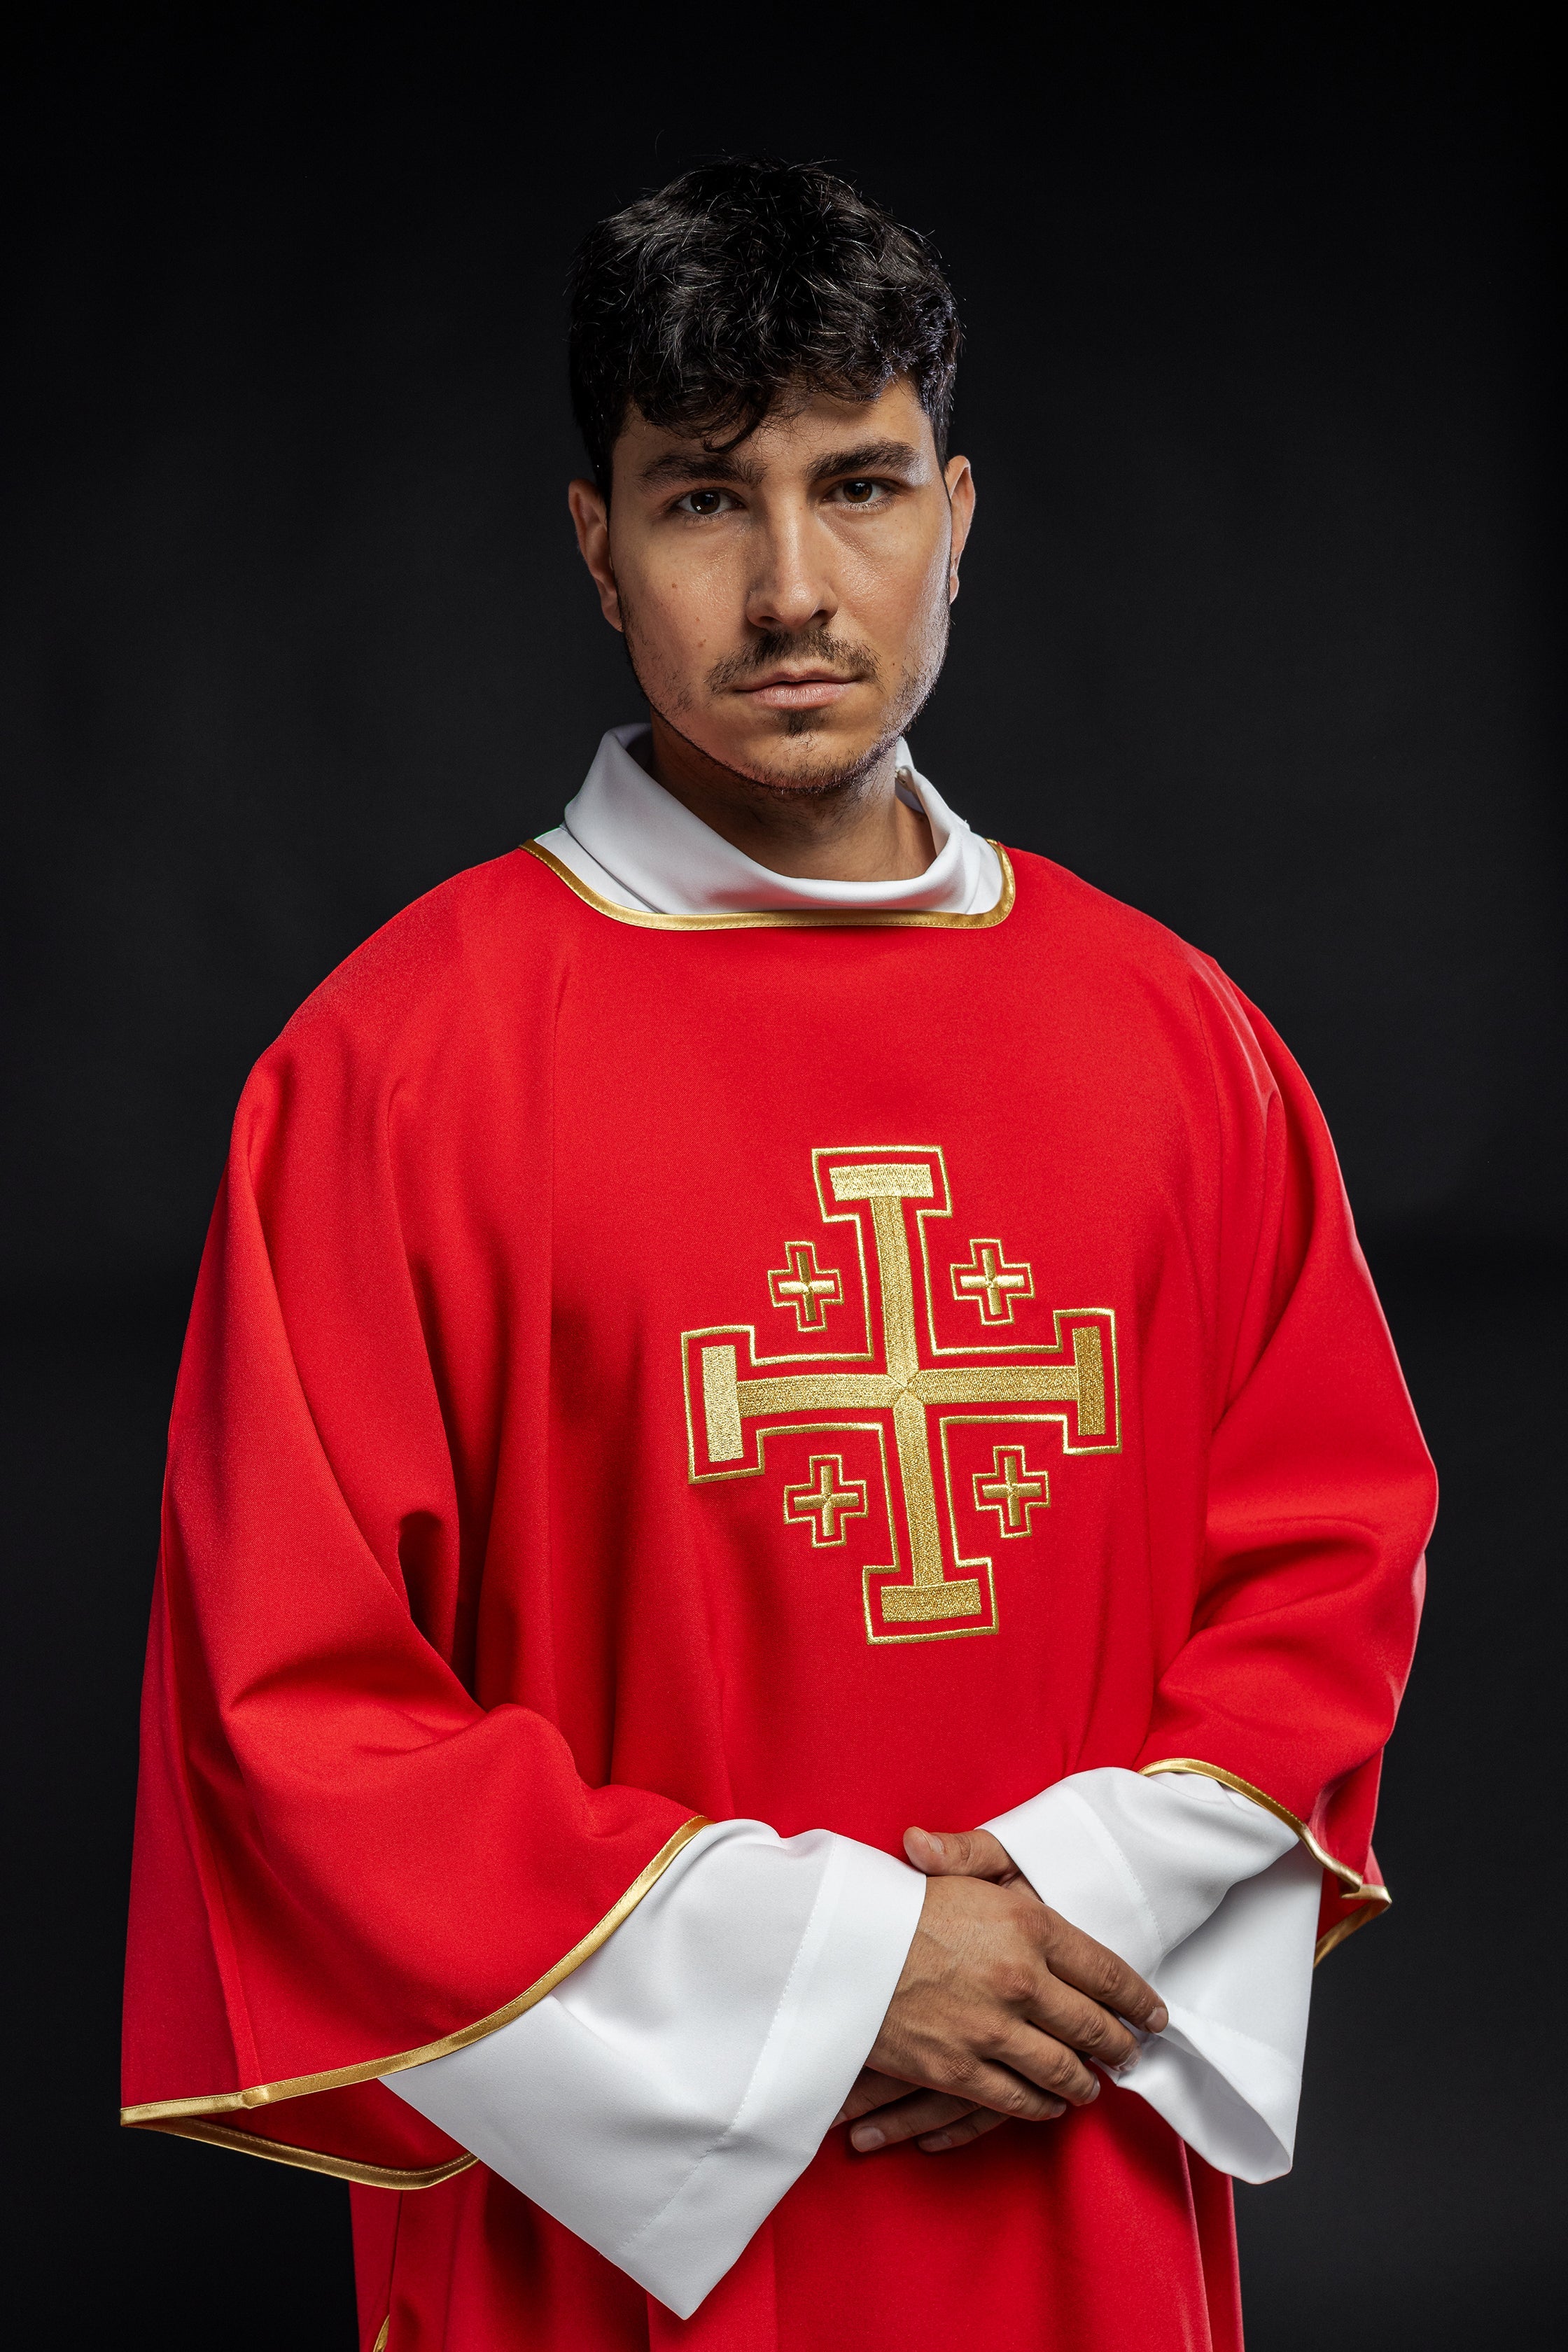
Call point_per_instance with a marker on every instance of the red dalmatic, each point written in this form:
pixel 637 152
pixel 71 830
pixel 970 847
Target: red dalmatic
pixel 845 1372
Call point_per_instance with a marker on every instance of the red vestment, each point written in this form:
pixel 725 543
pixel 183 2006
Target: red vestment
pixel 838 1371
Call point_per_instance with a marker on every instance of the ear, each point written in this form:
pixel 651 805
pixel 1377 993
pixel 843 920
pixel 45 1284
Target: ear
pixel 591 518
pixel 960 483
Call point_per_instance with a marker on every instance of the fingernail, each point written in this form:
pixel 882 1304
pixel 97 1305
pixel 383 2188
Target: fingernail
pixel 868 2137
pixel 938 2139
pixel 1093 2090
pixel 1159 2019
pixel 935 1841
pixel 1127 2063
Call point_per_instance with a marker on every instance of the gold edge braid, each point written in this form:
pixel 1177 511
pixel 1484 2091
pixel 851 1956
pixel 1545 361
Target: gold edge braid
pixel 1349 1879
pixel 1374 1902
pixel 309 2159
pixel 386 2330
pixel 785 918
pixel 338 2078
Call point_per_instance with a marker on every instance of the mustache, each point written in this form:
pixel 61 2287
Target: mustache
pixel 818 646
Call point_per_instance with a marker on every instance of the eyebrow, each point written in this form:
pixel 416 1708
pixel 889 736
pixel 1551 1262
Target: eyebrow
pixel 684 464
pixel 727 466
pixel 868 457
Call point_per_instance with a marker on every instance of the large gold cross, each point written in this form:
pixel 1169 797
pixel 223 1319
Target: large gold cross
pixel 732 1403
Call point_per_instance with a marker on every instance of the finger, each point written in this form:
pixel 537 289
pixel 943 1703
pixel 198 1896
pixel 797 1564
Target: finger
pixel 959 1854
pixel 906 2118
pixel 1012 2095
pixel 1048 2063
pixel 869 2091
pixel 1079 1960
pixel 959 2135
pixel 1071 2017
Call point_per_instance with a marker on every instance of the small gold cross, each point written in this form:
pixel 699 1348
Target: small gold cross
pixel 990 1283
pixel 834 1497
pixel 810 1289
pixel 1011 1490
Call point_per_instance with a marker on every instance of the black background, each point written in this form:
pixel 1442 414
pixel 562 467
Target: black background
pixel 1255 632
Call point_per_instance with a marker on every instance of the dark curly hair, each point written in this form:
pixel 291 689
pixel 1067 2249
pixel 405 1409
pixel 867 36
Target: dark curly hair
pixel 700 304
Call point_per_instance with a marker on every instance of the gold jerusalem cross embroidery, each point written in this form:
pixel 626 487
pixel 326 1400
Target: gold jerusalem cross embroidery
pixel 737 1398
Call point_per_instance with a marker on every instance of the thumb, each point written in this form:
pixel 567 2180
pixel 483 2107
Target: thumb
pixel 959 1854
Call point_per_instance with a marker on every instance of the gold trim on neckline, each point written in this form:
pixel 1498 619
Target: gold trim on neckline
pixel 1368 1897
pixel 797 919
pixel 341 2078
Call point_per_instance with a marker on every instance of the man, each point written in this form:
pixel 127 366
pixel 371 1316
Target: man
pixel 792 1532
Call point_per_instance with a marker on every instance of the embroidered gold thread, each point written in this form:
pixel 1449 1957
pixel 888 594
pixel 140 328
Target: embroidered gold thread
pixel 1011 1490
pixel 989 1283
pixel 810 1289
pixel 826 1504
pixel 884 1181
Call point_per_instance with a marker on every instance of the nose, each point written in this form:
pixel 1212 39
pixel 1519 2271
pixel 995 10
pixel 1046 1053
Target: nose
pixel 790 589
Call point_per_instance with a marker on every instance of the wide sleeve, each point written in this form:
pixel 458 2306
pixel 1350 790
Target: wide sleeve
pixel 1213 1899
pixel 1321 1493
pixel 345 1863
pixel 670 2092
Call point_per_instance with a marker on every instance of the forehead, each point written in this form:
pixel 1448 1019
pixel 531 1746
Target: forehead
pixel 792 438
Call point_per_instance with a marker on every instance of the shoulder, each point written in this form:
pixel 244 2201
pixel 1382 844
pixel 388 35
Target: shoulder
pixel 1140 971
pixel 486 939
pixel 1063 910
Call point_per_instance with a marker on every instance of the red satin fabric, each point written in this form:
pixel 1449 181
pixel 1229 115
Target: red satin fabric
pixel 449 1639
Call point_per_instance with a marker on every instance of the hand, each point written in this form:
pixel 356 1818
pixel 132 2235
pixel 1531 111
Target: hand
pixel 999 2003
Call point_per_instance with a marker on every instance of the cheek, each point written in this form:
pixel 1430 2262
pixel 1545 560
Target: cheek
pixel 897 591
pixel 677 612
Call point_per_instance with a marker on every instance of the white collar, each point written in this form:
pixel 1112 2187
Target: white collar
pixel 636 845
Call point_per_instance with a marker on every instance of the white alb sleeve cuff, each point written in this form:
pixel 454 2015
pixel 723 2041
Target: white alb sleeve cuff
pixel 662 2100
pixel 1213 1900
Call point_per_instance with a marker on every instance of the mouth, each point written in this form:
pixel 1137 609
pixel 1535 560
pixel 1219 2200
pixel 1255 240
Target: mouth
pixel 811 689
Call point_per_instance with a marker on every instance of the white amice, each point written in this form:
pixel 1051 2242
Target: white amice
pixel 638 847
pixel 663 2098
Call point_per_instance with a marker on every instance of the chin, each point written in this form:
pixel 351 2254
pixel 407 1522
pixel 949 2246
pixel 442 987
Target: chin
pixel 803 755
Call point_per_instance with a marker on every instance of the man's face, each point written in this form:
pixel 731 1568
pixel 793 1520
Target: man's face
pixel 785 604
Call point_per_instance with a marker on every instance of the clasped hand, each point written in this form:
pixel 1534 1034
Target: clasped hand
pixel 1000 2004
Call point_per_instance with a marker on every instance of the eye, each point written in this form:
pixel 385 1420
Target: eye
pixel 703 503
pixel 859 491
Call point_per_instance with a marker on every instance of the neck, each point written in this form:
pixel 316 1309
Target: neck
pixel 854 831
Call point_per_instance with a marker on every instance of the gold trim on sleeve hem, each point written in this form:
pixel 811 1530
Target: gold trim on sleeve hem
pixel 340 2078
pixel 1349 1879
pixel 310 2160
pixel 1369 1899
pixel 786 917
pixel 1374 1902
